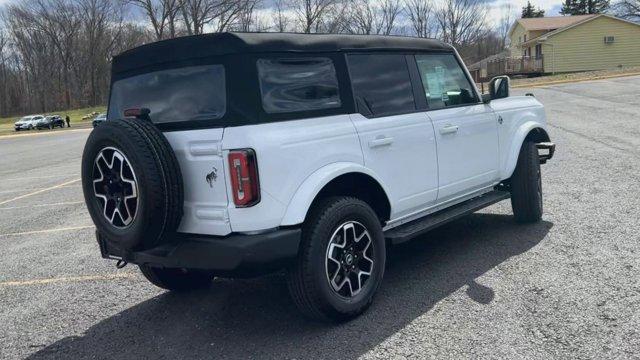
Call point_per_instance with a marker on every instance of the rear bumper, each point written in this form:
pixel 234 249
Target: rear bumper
pixel 236 254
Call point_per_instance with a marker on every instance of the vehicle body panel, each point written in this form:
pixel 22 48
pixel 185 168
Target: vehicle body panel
pixel 520 115
pixel 401 151
pixel 288 153
pixel 468 151
pixel 202 163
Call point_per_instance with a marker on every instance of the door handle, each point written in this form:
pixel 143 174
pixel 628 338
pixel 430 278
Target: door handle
pixel 380 141
pixel 449 129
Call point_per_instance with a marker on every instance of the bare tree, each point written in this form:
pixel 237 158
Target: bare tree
pixel 281 21
pixel 247 19
pixel 4 44
pixel 462 21
pixel 312 14
pixel 373 17
pixel 422 18
pixel 505 22
pixel 629 9
pixel 162 15
pixel 56 54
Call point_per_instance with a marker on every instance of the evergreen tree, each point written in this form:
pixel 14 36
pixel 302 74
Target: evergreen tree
pixel 584 7
pixel 529 11
pixel 567 7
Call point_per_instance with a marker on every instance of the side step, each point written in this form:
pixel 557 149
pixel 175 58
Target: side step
pixel 418 227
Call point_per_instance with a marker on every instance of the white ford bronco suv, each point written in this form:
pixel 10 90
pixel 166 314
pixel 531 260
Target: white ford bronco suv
pixel 238 154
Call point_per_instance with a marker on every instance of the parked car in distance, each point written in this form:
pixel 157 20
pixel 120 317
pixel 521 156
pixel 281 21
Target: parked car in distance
pixel 89 116
pixel 325 150
pixel 50 122
pixel 27 122
pixel 99 119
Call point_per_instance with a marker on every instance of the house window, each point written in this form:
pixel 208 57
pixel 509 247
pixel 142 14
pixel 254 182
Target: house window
pixel 609 39
pixel 525 37
pixel 538 51
pixel 519 39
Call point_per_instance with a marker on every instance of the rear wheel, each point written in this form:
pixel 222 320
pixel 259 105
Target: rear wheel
pixel 526 185
pixel 341 261
pixel 176 279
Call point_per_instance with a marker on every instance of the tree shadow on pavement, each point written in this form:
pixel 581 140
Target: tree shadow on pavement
pixel 255 318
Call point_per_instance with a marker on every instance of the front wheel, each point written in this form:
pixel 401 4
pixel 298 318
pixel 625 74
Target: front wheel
pixel 341 260
pixel 176 279
pixel 526 185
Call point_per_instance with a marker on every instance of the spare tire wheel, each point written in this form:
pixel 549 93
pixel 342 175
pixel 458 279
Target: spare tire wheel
pixel 132 184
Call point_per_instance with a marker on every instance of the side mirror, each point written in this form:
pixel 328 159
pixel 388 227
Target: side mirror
pixel 499 87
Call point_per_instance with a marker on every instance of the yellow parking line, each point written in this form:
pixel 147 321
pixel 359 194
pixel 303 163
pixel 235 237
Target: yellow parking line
pixel 39 191
pixel 47 231
pixel 42 205
pixel 123 275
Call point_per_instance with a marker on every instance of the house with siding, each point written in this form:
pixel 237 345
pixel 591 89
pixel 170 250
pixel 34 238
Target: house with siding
pixel 576 43
pixel 558 44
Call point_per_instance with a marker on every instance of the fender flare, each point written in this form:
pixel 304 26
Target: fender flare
pixel 519 138
pixel 298 207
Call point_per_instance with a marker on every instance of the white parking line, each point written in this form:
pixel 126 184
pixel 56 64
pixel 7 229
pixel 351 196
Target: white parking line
pixel 47 231
pixel 21 190
pixel 42 205
pixel 123 275
pixel 37 177
pixel 39 191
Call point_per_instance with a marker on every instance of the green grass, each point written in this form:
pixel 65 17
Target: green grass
pixel 6 124
pixel 75 115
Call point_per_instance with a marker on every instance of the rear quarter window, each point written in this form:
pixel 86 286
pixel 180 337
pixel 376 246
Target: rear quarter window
pixel 196 93
pixel 298 84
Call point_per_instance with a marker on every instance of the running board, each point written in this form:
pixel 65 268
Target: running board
pixel 418 227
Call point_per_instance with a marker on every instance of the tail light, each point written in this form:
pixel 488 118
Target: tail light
pixel 243 170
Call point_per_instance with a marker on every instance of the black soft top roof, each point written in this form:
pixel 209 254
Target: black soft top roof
pixel 210 45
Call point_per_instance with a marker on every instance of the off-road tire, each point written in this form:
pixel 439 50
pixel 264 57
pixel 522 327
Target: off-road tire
pixel 178 280
pixel 307 280
pixel 160 188
pixel 526 185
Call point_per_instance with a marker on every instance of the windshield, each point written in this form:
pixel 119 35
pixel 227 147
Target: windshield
pixel 175 95
pixel 26 118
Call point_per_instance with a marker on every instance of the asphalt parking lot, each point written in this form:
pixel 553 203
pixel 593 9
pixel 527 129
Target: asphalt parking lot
pixel 481 287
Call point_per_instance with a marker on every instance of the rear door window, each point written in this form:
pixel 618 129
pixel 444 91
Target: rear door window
pixel 298 84
pixel 381 84
pixel 196 93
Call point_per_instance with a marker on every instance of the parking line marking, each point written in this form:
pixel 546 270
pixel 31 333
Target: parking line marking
pixel 39 191
pixel 124 275
pixel 15 191
pixel 43 205
pixel 47 231
pixel 37 177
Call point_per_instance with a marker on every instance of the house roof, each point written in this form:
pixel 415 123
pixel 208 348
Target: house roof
pixel 552 22
pixel 584 19
pixel 217 44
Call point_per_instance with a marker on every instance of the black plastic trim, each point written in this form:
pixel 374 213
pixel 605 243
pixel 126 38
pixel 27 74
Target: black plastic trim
pixel 235 254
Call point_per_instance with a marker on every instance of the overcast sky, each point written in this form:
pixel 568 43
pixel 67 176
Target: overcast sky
pixel 551 7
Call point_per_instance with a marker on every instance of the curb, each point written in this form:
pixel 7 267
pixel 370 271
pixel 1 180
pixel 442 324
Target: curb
pixel 602 77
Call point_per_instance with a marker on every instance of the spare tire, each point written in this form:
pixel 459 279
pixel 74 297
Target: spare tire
pixel 132 184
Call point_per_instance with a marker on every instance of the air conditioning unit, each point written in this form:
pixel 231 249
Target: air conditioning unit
pixel 609 39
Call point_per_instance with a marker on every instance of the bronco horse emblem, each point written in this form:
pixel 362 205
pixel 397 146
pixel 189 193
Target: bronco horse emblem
pixel 212 176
